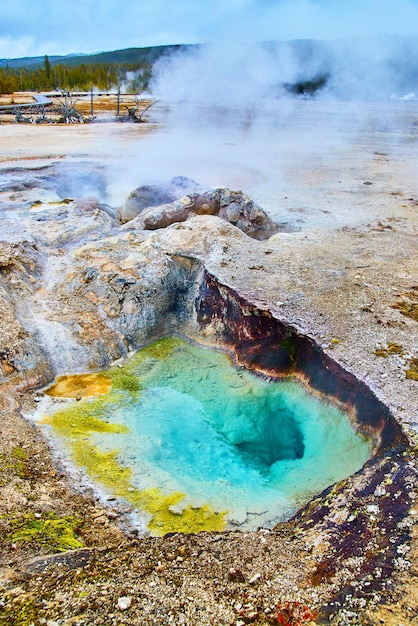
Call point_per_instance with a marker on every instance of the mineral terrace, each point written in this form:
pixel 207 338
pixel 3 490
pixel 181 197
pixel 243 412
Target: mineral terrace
pixel 327 254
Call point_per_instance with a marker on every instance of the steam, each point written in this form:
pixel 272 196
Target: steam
pixel 230 116
pixel 238 75
pixel 224 75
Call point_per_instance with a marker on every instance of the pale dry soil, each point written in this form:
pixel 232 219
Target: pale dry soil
pixel 336 275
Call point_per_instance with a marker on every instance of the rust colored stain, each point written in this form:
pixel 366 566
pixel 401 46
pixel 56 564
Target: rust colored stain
pixel 80 386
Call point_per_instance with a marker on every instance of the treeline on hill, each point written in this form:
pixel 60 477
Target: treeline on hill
pixel 81 77
pixel 131 68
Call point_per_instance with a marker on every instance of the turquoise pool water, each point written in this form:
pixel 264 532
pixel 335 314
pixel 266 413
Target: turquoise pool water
pixel 221 436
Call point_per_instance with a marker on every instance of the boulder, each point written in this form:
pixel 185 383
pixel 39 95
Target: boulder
pixel 232 206
pixel 147 196
pixel 238 209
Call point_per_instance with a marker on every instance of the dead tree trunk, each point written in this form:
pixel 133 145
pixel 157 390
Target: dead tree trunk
pixel 146 109
pixel 132 111
pixel 69 114
pixel 118 103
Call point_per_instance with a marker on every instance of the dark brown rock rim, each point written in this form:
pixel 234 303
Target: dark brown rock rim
pixel 265 345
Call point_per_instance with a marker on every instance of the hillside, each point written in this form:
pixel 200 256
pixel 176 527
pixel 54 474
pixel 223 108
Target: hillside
pixel 128 56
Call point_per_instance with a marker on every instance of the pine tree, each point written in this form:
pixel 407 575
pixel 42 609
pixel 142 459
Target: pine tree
pixel 47 67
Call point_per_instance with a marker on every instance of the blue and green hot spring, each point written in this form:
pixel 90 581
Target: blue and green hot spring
pixel 194 443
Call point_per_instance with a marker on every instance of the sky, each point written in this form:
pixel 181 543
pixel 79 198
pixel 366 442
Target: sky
pixel 55 27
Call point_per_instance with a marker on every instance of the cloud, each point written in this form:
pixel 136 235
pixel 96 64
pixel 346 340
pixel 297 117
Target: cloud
pixel 16 47
pixel 54 27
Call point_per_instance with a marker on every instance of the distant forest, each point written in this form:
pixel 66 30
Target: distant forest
pixel 131 68
pixel 376 67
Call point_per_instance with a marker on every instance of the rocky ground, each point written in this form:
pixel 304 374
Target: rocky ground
pixel 78 290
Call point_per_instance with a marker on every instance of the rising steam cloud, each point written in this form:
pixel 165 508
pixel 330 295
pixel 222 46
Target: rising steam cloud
pixel 234 119
pixel 246 75
pixel 226 74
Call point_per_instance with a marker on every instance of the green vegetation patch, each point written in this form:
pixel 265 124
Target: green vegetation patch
pixel 392 348
pixel 50 531
pixel 409 305
pixel 21 613
pixel 412 371
pixel 83 418
pixel 289 346
pixel 16 462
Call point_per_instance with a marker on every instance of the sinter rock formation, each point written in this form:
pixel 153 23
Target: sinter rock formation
pixel 157 206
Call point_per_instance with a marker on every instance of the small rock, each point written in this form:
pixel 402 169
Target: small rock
pixel 177 509
pixel 373 509
pixel 124 603
pixel 379 491
pixel 252 616
pixel 236 574
pixel 254 579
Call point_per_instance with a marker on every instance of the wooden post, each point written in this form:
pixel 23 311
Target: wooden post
pixel 118 103
pixel 91 103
